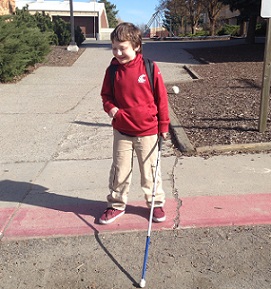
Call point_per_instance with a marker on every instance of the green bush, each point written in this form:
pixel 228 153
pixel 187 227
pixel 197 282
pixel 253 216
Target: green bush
pixel 79 36
pixel 227 29
pixel 25 40
pixel 21 45
pixel 260 29
pixel 45 24
pixel 200 33
pixel 62 30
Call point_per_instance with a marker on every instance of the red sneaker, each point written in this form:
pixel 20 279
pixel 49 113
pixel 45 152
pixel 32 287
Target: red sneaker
pixel 110 215
pixel 159 215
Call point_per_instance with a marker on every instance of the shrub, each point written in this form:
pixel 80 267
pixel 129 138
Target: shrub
pixel 227 29
pixel 20 46
pixel 79 36
pixel 25 40
pixel 260 29
pixel 45 24
pixel 199 33
pixel 62 30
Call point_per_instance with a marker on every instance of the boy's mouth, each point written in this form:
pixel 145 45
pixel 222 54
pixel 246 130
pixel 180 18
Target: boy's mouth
pixel 121 59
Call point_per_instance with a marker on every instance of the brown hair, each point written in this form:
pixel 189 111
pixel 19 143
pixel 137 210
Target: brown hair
pixel 128 32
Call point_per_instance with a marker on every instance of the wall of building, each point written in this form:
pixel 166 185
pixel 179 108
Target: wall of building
pixel 90 16
pixel 86 23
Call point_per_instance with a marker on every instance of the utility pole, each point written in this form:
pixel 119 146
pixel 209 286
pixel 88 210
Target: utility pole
pixel 73 46
pixel 94 25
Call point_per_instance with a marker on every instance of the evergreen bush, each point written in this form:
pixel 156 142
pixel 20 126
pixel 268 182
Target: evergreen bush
pixel 62 30
pixel 79 36
pixel 22 44
pixel 260 29
pixel 25 40
pixel 45 24
pixel 227 29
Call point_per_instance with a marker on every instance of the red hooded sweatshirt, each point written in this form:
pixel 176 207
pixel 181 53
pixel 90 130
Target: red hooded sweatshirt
pixel 141 113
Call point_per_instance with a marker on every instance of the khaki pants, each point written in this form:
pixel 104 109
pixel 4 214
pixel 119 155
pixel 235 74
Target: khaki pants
pixel 146 149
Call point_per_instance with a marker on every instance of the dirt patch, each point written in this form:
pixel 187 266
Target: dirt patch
pixel 223 106
pixel 60 56
pixel 206 258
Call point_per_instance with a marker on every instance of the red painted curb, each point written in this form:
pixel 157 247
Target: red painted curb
pixel 5 217
pixel 31 222
pixel 202 211
pixel 227 210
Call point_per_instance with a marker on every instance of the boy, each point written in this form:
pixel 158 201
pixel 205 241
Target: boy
pixel 139 117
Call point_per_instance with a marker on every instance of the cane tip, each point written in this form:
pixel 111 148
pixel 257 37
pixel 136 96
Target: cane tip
pixel 142 283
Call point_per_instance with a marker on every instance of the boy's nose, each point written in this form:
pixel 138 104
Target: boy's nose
pixel 119 52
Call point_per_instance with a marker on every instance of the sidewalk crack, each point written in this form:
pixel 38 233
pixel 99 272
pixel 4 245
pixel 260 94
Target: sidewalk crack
pixel 176 196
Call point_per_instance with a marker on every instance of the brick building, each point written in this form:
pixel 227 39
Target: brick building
pixel 7 7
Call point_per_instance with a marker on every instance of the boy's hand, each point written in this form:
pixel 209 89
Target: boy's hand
pixel 164 135
pixel 113 111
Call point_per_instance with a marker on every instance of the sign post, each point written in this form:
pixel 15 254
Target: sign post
pixel 265 93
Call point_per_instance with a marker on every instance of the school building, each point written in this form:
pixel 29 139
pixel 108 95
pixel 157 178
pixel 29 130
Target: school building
pixel 90 16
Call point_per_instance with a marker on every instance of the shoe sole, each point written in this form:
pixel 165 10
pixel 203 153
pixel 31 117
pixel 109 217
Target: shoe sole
pixel 159 220
pixel 106 222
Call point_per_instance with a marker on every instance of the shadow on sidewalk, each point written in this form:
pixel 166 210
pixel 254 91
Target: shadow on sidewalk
pixel 92 123
pixel 36 195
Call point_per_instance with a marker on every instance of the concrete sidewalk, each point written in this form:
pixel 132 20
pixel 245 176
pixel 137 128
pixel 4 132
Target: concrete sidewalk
pixel 56 146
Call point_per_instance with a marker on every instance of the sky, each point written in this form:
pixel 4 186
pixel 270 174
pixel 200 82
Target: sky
pixel 138 12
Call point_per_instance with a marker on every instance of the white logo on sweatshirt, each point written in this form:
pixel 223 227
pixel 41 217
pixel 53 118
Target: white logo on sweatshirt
pixel 142 78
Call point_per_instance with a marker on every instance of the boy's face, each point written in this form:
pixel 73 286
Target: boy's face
pixel 124 51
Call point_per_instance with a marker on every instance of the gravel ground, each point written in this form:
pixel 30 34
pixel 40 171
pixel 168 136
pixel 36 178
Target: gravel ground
pixel 205 258
pixel 222 107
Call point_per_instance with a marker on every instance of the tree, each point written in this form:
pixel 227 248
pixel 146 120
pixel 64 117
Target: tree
pixel 182 12
pixel 175 16
pixel 111 13
pixel 249 11
pixel 194 8
pixel 213 8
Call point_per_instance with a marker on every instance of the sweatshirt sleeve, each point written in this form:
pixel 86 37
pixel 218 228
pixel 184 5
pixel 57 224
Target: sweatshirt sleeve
pixel 161 99
pixel 106 93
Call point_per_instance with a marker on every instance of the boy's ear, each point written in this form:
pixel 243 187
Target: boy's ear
pixel 137 48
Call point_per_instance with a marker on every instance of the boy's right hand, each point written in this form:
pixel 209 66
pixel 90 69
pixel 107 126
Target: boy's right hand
pixel 164 135
pixel 113 111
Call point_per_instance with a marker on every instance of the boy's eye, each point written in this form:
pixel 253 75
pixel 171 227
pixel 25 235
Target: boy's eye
pixel 121 49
